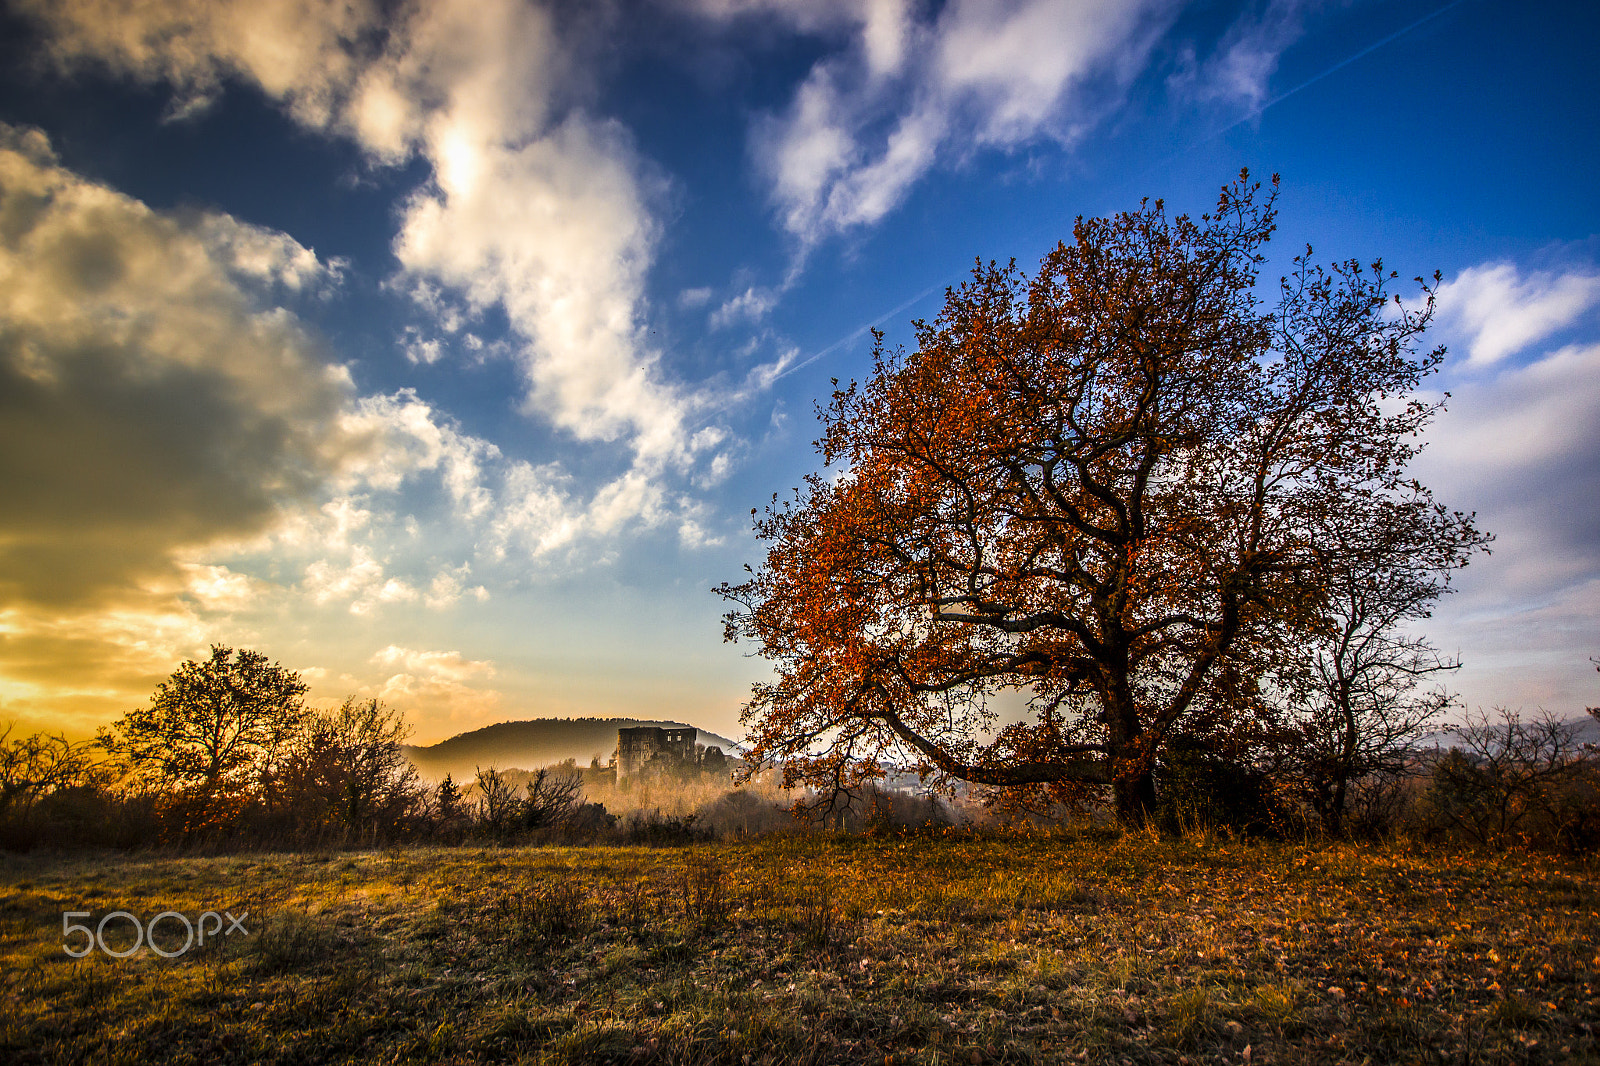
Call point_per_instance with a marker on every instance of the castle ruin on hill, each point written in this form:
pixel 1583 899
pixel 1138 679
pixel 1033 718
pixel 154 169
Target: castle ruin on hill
pixel 652 748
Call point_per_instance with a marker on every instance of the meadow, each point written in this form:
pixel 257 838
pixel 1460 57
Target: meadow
pixel 943 946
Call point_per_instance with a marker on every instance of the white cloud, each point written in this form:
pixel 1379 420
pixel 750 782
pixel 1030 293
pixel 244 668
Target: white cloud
pixel 434 665
pixel 537 514
pixel 449 585
pixel 359 549
pixel 1529 658
pixel 751 305
pixel 534 205
pixel 1522 417
pixel 632 496
pixel 1241 66
pixel 437 702
pixel 299 51
pixel 1521 447
pixel 1499 312
pixel 540 515
pixel 693 535
pixel 905 86
pixel 437 685
pixel 398 435
pixel 916 84
pixel 557 233
pixel 332 527
pixel 419 350
pixel 359 579
pixel 1018 62
pixel 217 588
pixel 265 257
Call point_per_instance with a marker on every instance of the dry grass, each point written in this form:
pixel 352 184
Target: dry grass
pixel 925 948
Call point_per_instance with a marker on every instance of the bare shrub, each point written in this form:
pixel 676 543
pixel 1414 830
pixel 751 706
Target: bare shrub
pixel 538 805
pixel 499 807
pixel 551 798
pixel 817 919
pixel 543 912
pixel 1379 805
pixel 704 889
pixel 1509 782
pixel 37 765
pixel 50 789
pixel 661 830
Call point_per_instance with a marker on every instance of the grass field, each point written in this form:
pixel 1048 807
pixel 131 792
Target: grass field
pixel 946 948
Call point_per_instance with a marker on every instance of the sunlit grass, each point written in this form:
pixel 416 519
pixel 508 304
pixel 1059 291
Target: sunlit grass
pixel 923 948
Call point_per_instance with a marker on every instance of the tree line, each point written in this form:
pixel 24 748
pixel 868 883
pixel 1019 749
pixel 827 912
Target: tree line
pixel 227 752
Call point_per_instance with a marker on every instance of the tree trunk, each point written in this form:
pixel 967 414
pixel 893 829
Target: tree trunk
pixel 1133 784
pixel 1334 819
pixel 1135 797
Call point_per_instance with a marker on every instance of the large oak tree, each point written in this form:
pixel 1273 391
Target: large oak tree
pixel 1104 488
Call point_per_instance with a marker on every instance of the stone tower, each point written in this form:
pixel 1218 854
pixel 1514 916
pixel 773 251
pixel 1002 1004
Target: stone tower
pixel 637 746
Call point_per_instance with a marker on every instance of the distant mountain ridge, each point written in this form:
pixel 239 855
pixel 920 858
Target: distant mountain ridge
pixel 1585 726
pixel 529 745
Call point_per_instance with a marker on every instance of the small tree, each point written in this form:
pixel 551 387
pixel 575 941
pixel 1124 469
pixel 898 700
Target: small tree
pixel 1362 683
pixel 447 800
pixel 347 768
pixel 213 729
pixel 552 796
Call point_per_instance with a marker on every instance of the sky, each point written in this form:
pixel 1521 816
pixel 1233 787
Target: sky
pixel 440 351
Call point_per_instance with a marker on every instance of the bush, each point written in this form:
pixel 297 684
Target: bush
pixel 888 812
pixel 743 813
pixel 662 830
pixel 343 773
pixel 1379 806
pixel 1197 787
pixel 1513 783
pixel 589 821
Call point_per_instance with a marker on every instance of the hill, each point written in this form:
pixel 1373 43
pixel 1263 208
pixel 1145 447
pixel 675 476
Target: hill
pixel 539 742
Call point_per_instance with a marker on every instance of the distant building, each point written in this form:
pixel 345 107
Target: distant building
pixel 654 750
pixel 641 746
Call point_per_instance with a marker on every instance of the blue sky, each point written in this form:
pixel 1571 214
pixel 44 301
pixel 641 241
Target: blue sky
pixel 441 350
